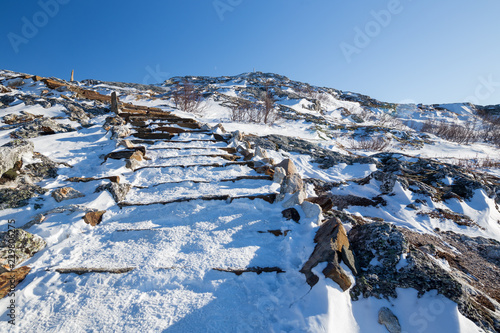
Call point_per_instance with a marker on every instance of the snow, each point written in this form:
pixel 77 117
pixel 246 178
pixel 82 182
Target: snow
pixel 175 247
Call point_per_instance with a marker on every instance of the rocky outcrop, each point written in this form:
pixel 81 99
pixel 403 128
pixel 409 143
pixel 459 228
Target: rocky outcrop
pixel 41 126
pixel 19 196
pixel 391 257
pixel 12 152
pixel 332 246
pixel 17 246
pixel 387 318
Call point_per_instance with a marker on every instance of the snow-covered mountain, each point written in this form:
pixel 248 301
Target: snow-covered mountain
pixel 244 203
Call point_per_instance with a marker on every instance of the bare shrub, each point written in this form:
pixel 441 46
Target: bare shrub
pixel 373 144
pixel 245 112
pixel 476 163
pixel 466 133
pixel 186 97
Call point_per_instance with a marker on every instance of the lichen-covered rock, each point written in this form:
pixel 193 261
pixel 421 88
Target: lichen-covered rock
pixel 391 257
pixel 17 245
pixel 12 152
pixel 19 196
pixel 66 193
pixel 389 320
pixel 76 113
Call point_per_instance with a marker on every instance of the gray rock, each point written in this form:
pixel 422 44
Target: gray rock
pixel 118 191
pixel 19 196
pixel 76 113
pixel 279 175
pixel 118 132
pixel 12 152
pixel 66 193
pixel 26 245
pixel 259 152
pixel 42 126
pixel 389 320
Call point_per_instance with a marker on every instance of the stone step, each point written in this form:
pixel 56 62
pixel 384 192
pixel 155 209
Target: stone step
pixel 271 197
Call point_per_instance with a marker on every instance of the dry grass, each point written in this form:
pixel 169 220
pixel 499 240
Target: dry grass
pixel 372 144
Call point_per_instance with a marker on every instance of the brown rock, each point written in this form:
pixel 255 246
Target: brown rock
pixel 137 155
pixel 337 274
pixel 114 103
pixel 288 165
pixel 10 279
pixel 94 218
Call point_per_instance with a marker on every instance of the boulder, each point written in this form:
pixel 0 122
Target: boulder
pixel 291 184
pixel 66 193
pixel 118 132
pixel 76 113
pixel 288 166
pixel 259 152
pixel 25 246
pixel 387 318
pixel 279 175
pixel 296 199
pixel 94 218
pixel 12 152
pixel 19 196
pixel 24 117
pixel 311 209
pixel 291 214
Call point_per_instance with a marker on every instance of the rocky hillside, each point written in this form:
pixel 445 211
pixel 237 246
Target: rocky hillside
pixel 244 203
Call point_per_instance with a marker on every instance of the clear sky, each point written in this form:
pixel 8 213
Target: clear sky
pixel 394 50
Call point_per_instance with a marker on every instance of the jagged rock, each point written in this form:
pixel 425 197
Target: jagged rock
pixel 237 137
pixel 12 152
pixel 41 170
pixel 9 280
pixel 76 113
pixel 389 320
pixel 337 273
pixel 388 181
pixel 331 238
pixel 66 193
pixel 259 152
pixel 279 175
pixel 311 209
pixel 17 245
pixel 94 218
pixel 113 121
pixel 118 132
pixel 19 196
pixel 41 126
pixel 291 214
pixel 118 191
pixel 288 166
pixel 296 199
pixel 464 281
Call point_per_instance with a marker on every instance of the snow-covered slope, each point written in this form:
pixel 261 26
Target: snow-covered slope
pixel 194 237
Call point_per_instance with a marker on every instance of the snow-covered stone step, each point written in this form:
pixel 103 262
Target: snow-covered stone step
pixel 179 143
pixel 185 161
pixel 151 176
pixel 162 153
pixel 175 191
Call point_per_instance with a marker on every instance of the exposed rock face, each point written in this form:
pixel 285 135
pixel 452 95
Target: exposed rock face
pixel 8 280
pixel 42 126
pixel 23 244
pixel 24 117
pixel 12 152
pixel 391 257
pixel 389 320
pixel 94 218
pixel 66 193
pixel 76 113
pixel 324 157
pixel 331 239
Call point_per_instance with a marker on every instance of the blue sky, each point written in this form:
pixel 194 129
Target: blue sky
pixel 393 50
